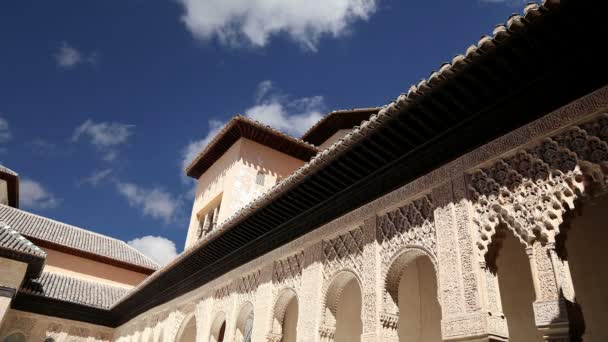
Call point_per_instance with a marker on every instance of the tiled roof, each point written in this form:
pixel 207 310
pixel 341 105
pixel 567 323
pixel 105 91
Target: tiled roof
pixel 14 246
pixel 74 238
pixel 11 239
pixel 69 289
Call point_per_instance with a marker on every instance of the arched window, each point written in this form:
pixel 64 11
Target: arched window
pixel 15 337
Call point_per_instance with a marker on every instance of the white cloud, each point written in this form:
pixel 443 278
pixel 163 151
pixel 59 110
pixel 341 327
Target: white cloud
pixel 278 111
pixel 153 202
pixel 158 248
pixel 5 133
pixel 69 56
pixel 235 22
pixel 33 195
pixel 96 177
pixel 271 108
pixel 106 136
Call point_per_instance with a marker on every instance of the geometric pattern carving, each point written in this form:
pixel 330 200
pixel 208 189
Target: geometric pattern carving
pixel 222 292
pixel 343 251
pixel 288 268
pixel 248 283
pixel 531 190
pixel 409 225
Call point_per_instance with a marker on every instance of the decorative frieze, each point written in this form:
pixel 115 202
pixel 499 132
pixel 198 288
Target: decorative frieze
pixel 410 225
pixel 248 283
pixel 289 268
pixel 343 252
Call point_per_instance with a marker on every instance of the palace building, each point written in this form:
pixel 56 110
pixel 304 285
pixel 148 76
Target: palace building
pixel 473 207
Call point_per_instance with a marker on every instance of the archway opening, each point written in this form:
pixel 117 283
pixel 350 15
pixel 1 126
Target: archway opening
pixel 582 245
pixel 348 314
pixel 285 320
pixel 419 310
pixel 290 322
pixel 507 258
pixel 188 330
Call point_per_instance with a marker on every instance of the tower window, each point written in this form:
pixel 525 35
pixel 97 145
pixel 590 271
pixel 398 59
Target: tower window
pixel 208 221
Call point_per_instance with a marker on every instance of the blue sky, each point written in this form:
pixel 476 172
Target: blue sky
pixel 102 102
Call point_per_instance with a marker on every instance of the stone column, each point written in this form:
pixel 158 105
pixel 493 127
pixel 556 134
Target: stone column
pixel 310 301
pixel 550 307
pixel 11 276
pixel 470 299
pixel 372 284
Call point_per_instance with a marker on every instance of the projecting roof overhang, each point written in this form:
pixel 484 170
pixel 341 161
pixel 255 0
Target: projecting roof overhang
pixel 534 64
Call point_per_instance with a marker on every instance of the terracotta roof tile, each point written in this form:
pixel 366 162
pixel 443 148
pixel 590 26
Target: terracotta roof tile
pixel 55 232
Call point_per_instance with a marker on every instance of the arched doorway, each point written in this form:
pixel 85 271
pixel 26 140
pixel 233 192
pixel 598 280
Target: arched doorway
pixel 507 258
pixel 582 245
pixel 218 328
pixel 343 308
pixel 285 317
pixel 187 331
pixel 411 285
pixel 244 323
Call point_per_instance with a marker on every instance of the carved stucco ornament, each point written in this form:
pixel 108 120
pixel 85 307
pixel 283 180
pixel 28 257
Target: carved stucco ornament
pixel 532 189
